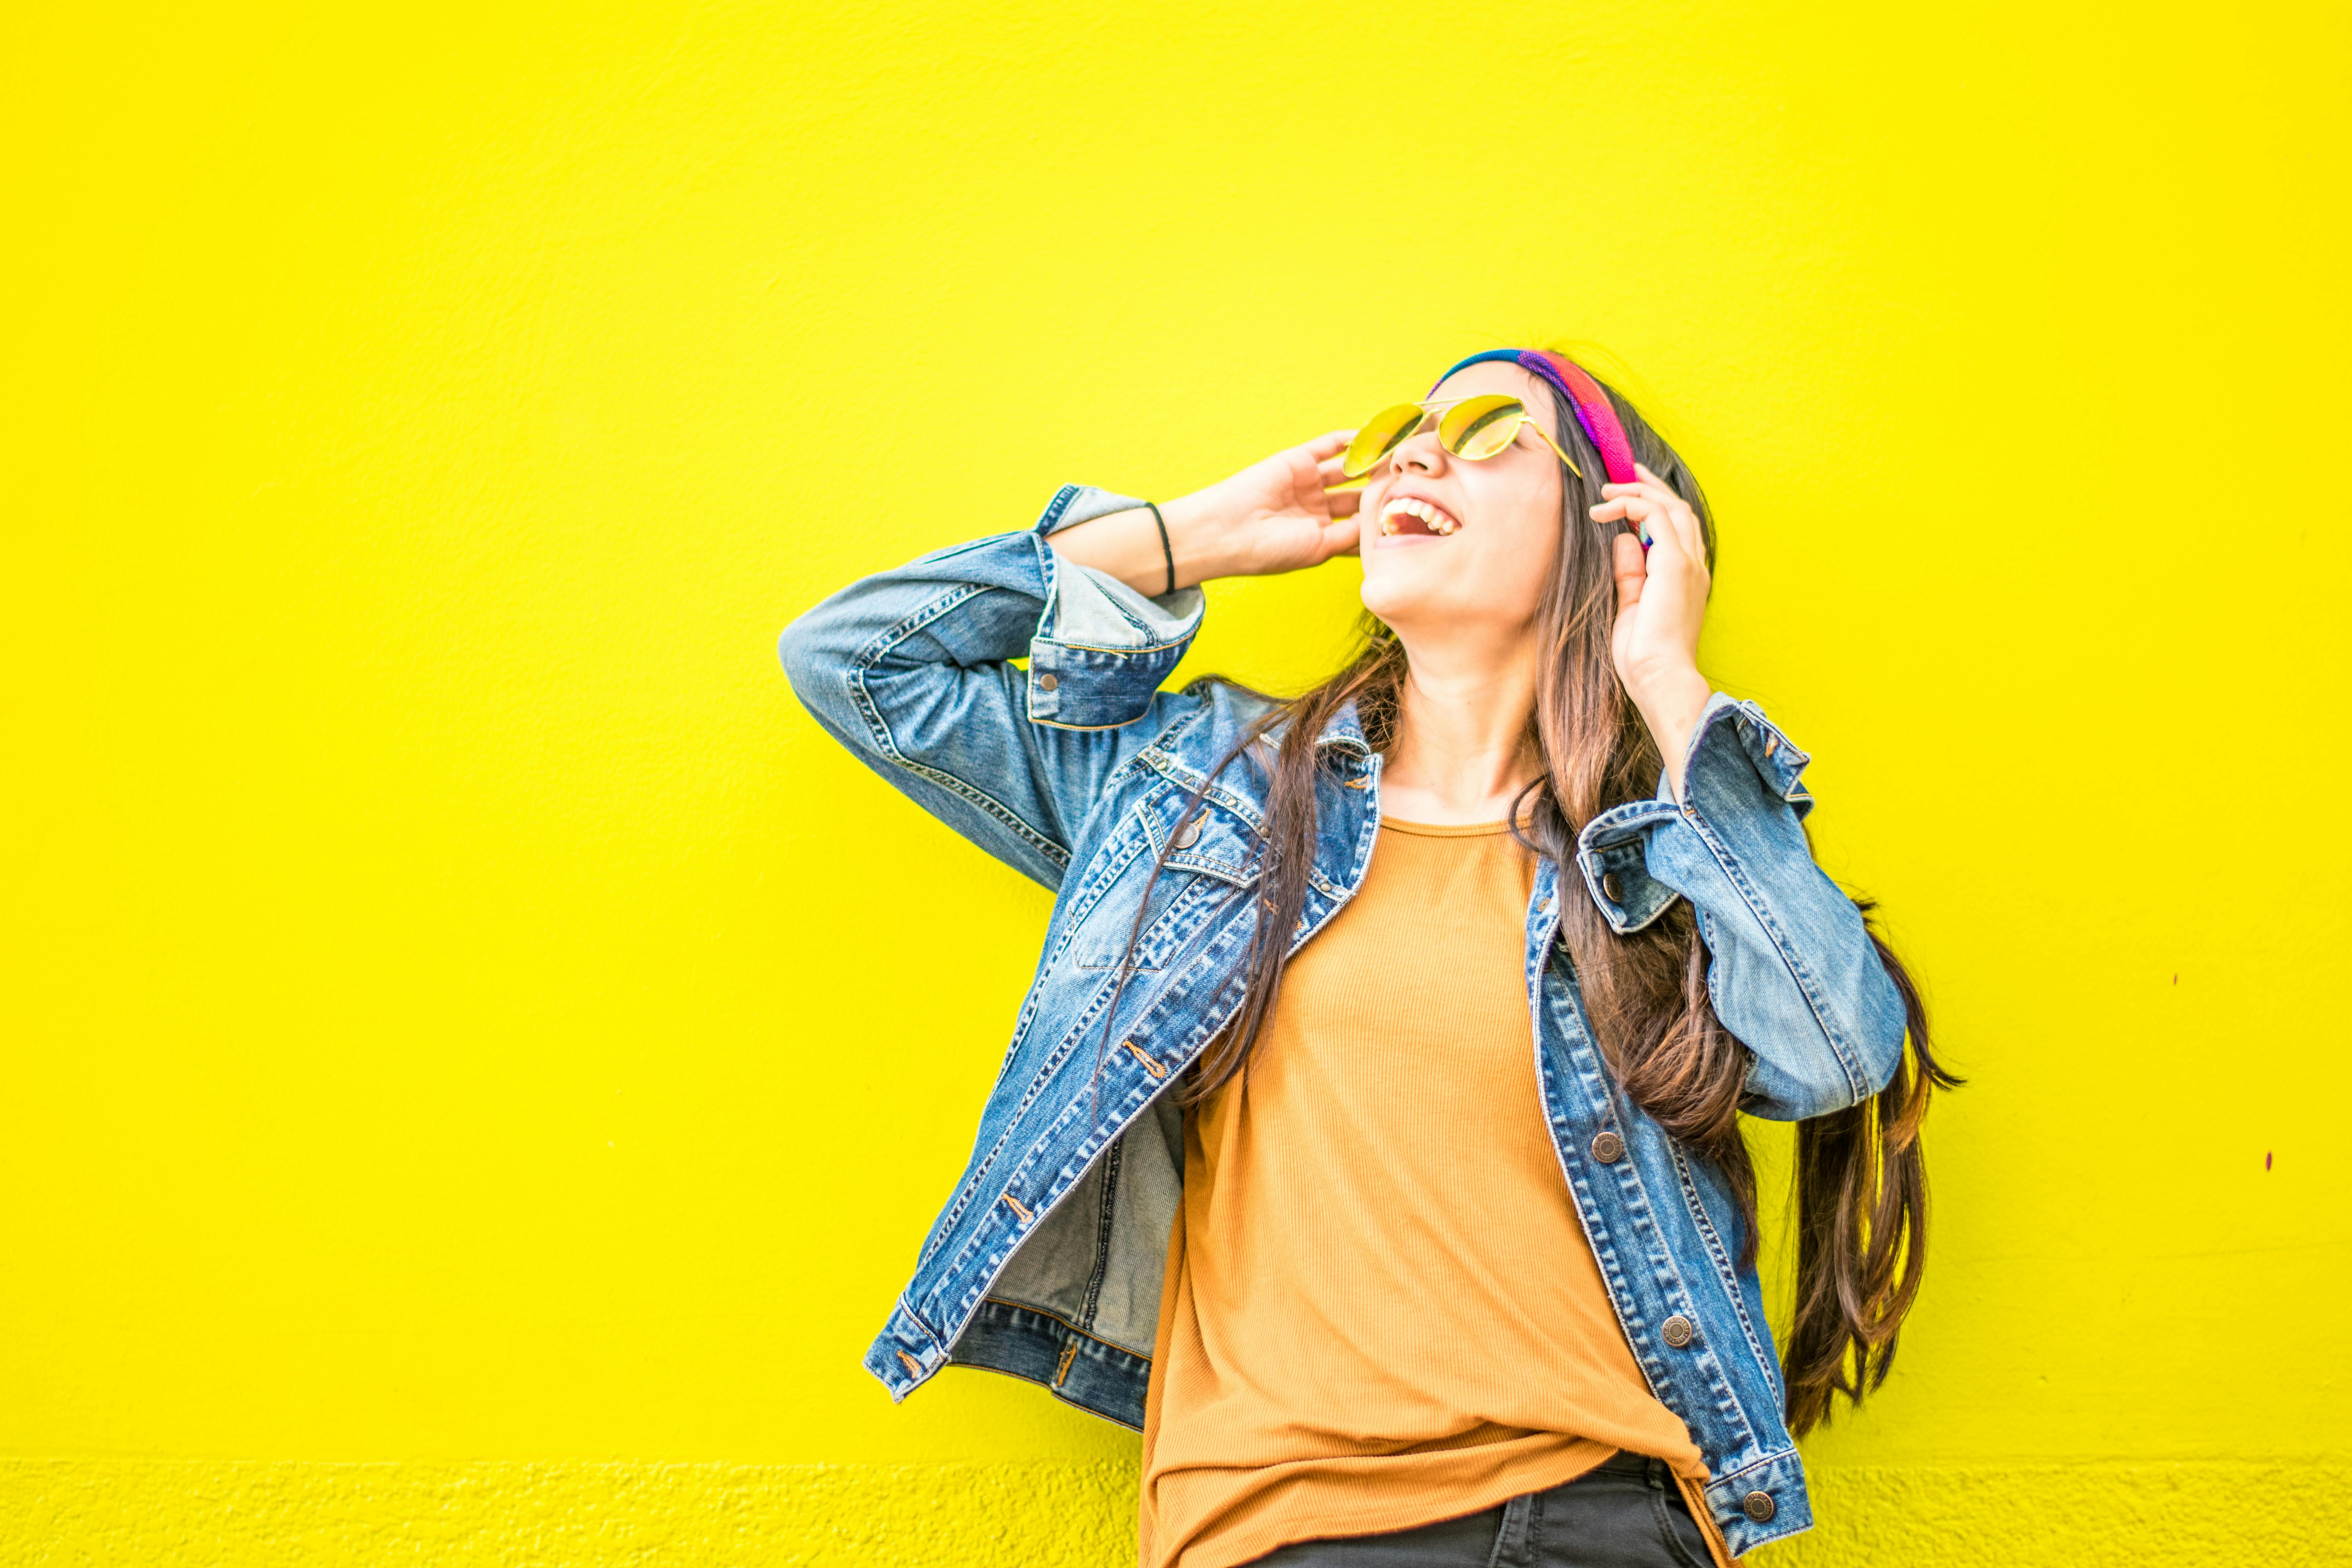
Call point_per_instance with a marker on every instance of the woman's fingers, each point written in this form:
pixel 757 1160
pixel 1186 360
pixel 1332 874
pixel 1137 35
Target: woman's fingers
pixel 1684 519
pixel 1641 513
pixel 1330 444
pixel 1652 507
pixel 1630 569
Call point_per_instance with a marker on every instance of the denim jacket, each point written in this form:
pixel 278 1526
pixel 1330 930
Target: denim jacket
pixel 1046 1260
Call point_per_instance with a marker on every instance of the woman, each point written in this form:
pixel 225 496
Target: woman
pixel 1370 1135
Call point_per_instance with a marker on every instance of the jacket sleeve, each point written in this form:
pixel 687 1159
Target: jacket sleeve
pixel 1792 972
pixel 911 670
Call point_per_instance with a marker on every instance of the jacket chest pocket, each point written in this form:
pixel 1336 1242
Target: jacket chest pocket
pixel 1210 863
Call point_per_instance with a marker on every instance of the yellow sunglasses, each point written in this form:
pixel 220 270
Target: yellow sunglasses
pixel 1472 428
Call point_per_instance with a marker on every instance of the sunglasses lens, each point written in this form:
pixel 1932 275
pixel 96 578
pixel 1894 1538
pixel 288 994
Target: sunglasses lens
pixel 1479 427
pixel 1380 436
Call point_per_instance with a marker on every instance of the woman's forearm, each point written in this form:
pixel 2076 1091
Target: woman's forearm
pixel 1127 545
pixel 1274 516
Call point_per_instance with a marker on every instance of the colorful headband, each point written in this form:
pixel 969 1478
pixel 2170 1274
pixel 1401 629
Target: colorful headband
pixel 1581 394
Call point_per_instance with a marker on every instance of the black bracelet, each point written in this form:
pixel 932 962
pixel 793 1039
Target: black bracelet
pixel 1165 550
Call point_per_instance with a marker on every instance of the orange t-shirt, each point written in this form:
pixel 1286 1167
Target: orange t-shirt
pixel 1381 1310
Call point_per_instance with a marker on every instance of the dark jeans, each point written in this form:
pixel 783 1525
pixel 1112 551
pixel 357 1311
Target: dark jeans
pixel 1625 1514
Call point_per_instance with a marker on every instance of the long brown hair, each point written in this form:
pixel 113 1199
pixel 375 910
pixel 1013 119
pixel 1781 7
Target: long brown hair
pixel 1861 1179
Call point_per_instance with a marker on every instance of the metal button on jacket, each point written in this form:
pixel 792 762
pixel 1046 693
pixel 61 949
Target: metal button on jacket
pixel 1608 1148
pixel 1046 682
pixel 1758 1506
pixel 1190 833
pixel 1611 888
pixel 1676 1329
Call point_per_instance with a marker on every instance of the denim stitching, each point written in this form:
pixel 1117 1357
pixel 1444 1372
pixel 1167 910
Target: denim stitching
pixel 872 654
pixel 1786 1468
pixel 1642 818
pixel 1190 778
pixel 907 1308
pixel 1106 1218
pixel 1728 863
pixel 1722 1256
pixel 1587 1211
pixel 1708 1376
pixel 1797 759
pixel 944 1227
pixel 1076 728
pixel 1806 985
pixel 1120 849
pixel 1065 1184
pixel 1076 1339
pixel 1097 647
pixel 1178 923
pixel 1055 509
pixel 1596 1231
pixel 1090 1147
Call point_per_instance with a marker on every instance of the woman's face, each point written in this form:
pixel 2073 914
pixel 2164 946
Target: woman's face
pixel 1486 557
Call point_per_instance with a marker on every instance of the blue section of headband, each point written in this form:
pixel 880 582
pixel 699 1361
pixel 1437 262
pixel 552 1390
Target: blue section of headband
pixel 1519 357
pixel 1538 365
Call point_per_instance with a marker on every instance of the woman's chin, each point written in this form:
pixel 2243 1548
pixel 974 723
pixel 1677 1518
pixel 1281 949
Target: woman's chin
pixel 1392 600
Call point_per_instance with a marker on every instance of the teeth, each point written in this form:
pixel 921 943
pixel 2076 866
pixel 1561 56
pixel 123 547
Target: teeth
pixel 1439 523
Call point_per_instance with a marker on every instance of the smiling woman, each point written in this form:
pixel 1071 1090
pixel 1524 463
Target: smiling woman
pixel 1371 1138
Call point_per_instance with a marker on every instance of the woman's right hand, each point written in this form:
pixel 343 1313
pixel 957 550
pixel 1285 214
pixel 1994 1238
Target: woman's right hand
pixel 1276 515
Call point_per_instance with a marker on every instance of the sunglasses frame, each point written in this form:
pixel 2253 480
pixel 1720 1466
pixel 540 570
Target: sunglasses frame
pixel 1524 419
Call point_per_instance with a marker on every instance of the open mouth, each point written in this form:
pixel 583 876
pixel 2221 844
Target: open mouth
pixel 1411 514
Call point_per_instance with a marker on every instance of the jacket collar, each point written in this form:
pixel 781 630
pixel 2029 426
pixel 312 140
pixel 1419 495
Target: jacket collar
pixel 1343 731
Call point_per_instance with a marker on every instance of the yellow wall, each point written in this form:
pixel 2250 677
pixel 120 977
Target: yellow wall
pixel 474 1077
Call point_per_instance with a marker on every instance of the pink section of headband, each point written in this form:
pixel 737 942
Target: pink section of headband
pixel 1595 414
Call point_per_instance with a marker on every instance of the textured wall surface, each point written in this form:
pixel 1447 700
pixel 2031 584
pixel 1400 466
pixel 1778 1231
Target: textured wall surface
pixel 69 1513
pixel 476 1064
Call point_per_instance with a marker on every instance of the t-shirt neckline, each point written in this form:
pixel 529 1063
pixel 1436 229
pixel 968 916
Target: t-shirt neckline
pixel 1444 829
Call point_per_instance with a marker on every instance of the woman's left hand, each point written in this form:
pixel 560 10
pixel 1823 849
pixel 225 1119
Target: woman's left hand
pixel 1661 603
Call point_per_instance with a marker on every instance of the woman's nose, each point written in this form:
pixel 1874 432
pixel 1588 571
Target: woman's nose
pixel 1420 453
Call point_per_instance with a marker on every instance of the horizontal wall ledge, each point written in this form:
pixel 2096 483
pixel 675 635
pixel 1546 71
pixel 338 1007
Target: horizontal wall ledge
pixel 127 1513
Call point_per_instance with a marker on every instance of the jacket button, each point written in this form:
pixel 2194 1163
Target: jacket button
pixel 1046 682
pixel 1608 1148
pixel 1611 888
pixel 1190 834
pixel 1758 1506
pixel 1677 1330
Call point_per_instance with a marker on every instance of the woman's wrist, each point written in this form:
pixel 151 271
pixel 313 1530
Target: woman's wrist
pixel 1201 533
pixel 1123 544
pixel 1671 702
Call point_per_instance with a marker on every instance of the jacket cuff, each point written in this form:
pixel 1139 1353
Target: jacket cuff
pixel 1101 650
pixel 1732 739
pixel 1733 748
